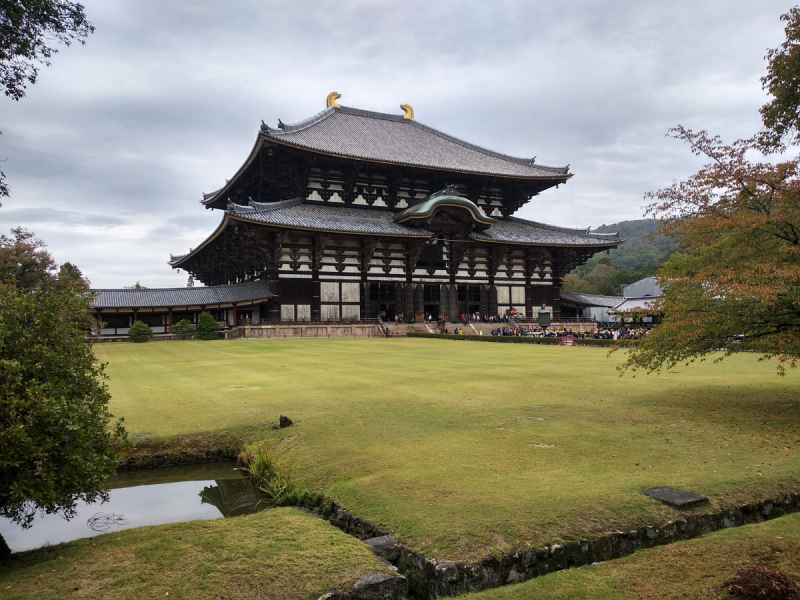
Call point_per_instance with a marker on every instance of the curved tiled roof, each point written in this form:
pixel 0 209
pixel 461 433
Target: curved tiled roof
pixel 324 217
pixel 251 291
pixel 337 218
pixel 514 230
pixel 388 138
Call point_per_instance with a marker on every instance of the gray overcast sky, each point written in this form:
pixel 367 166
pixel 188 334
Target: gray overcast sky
pixel 109 153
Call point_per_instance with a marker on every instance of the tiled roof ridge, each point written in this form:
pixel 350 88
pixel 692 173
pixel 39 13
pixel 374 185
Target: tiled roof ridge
pixel 579 231
pixel 174 289
pixel 253 206
pixel 320 116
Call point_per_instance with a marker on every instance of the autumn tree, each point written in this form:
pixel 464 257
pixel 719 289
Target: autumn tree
pixel 736 285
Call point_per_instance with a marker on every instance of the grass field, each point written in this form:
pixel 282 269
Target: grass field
pixel 467 449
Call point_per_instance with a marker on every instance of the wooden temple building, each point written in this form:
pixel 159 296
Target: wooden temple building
pixel 353 214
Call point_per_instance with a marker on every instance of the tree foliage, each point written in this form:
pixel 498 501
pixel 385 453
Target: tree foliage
pixel 207 327
pixel 29 29
pixel 57 442
pixel 736 285
pixel 140 332
pixel 781 116
pixel 24 262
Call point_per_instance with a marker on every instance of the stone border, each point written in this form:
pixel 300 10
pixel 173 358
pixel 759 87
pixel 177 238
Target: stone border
pixel 166 459
pixel 432 578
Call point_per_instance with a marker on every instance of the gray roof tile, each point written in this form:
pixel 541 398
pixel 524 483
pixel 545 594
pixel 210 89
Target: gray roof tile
pixel 251 291
pixel 391 138
pixel 325 217
pixel 591 299
pixel 514 230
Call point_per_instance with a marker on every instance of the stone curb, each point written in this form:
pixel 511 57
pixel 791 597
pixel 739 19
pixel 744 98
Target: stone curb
pixel 432 578
pixel 151 461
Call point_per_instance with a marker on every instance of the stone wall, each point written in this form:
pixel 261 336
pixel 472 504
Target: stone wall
pixel 309 331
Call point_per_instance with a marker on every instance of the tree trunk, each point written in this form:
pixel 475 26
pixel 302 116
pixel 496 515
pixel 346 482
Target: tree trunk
pixel 5 551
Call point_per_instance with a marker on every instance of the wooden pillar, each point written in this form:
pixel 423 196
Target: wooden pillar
pixel 235 318
pixel 99 322
pixel 316 305
pixel 169 329
pixel 492 295
pixel 418 290
pixel 455 314
pixel 365 308
pixel 528 299
pixel 484 300
pixel 556 298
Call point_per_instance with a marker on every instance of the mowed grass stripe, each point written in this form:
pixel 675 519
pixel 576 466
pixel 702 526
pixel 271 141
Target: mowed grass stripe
pixel 464 449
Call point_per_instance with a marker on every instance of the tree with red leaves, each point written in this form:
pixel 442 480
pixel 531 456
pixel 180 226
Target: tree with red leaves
pixel 736 284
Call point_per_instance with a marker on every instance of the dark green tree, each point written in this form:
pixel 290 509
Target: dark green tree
pixel 140 332
pixel 57 440
pixel 207 327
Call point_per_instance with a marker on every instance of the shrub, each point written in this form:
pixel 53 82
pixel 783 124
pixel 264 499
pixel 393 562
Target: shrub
pixel 259 466
pixel 139 332
pixel 184 329
pixel 207 327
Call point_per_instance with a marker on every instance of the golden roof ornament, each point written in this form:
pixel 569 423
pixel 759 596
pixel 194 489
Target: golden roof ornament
pixel 332 97
pixel 408 110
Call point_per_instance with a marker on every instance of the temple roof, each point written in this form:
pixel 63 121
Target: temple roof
pixel 324 217
pixel 337 218
pixel 388 138
pixel 514 230
pixel 590 299
pixel 251 291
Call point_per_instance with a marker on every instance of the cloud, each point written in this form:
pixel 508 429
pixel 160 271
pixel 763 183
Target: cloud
pixel 111 150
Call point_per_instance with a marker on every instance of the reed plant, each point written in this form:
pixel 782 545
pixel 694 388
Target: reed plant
pixel 259 465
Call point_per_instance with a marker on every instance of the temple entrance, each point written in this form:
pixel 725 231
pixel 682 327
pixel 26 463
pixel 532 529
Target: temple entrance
pixel 430 300
pixel 383 296
pixel 469 299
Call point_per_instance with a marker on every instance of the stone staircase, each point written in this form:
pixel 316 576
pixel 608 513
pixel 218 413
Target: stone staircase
pixel 405 328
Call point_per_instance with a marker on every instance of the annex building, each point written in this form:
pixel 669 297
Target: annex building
pixel 352 214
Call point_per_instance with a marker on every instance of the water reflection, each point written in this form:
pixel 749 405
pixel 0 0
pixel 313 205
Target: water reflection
pixel 139 505
pixel 231 497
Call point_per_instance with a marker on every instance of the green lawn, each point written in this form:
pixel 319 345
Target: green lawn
pixel 464 449
pixel 281 553
pixel 691 569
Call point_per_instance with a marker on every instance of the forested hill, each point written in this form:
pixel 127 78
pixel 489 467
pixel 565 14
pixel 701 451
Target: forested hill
pixel 638 251
pixel 639 256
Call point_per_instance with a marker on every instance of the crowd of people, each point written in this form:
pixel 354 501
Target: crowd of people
pixel 611 333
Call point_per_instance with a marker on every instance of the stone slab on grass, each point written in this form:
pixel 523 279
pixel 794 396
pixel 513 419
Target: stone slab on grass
pixel 675 497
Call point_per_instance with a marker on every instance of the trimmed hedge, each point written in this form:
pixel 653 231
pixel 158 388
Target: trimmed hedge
pixel 552 341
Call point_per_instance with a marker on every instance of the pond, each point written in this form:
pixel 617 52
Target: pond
pixel 145 497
